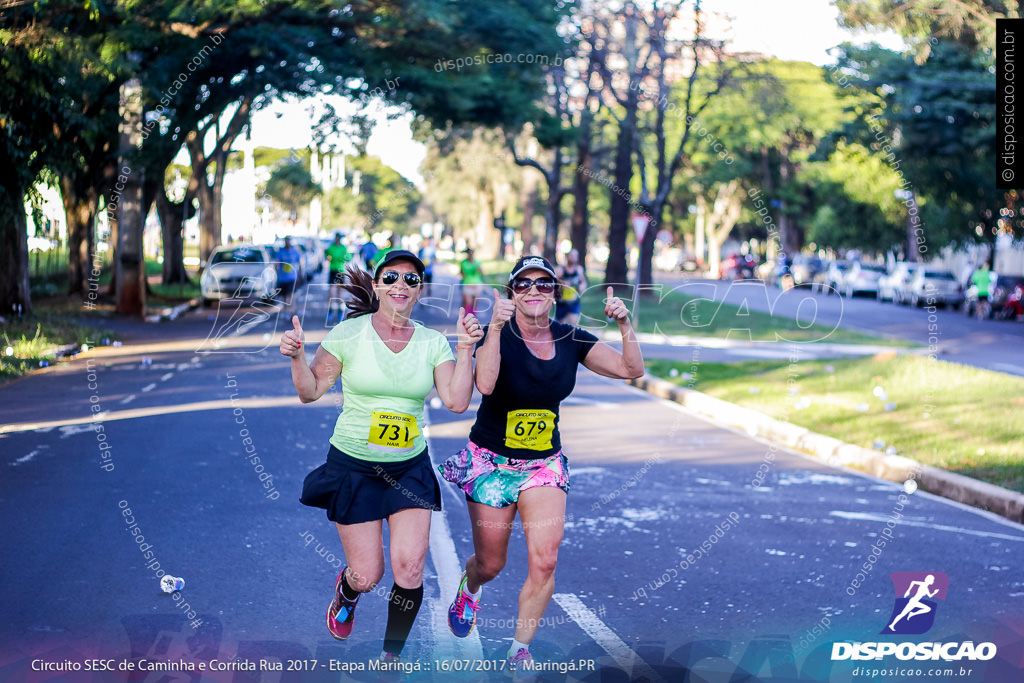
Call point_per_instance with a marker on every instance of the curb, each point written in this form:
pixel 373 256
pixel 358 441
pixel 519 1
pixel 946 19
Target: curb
pixel 957 487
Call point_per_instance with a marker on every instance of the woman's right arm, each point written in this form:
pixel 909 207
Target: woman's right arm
pixel 311 381
pixel 488 356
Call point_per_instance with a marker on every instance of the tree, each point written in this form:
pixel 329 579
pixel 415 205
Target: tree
pixel 292 186
pixel 470 179
pixel 934 123
pixel 857 205
pixel 971 23
pixel 375 198
pixel 303 47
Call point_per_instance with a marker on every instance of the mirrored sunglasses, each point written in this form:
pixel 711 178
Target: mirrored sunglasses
pixel 390 277
pixel 545 285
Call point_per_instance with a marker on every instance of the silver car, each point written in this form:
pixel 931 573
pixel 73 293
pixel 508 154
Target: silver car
pixel 892 285
pixel 862 277
pixel 932 286
pixel 239 271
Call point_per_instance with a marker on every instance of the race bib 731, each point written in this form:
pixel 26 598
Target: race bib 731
pixel 392 430
pixel 530 429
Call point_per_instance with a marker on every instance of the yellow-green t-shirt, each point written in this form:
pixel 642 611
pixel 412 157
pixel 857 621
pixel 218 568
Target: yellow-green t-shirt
pixel 384 391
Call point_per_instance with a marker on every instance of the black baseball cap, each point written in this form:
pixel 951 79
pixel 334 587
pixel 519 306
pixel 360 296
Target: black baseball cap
pixel 399 255
pixel 530 263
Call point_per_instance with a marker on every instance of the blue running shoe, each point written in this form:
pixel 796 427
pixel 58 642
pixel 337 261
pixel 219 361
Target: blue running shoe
pixel 462 613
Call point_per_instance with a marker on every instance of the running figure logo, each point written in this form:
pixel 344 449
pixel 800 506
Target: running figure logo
pixel 914 612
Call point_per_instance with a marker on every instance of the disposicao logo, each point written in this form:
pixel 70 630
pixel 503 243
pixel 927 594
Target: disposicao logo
pixel 913 613
pixel 916 595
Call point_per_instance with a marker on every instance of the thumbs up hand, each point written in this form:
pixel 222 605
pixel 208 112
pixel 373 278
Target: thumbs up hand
pixel 503 311
pixel 291 341
pixel 614 308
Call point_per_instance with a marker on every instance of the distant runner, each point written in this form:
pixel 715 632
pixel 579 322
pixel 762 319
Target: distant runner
pixel 338 256
pixel 472 281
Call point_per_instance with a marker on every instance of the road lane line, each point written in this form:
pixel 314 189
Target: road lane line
pixel 167 377
pixel 267 402
pixel 24 458
pixel 446 564
pixel 148 387
pixel 127 399
pixel 631 663
pixel 869 517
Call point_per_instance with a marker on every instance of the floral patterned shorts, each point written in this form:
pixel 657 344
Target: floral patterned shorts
pixel 495 480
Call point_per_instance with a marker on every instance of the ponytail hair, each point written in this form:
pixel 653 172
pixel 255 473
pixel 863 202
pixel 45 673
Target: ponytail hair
pixel 358 283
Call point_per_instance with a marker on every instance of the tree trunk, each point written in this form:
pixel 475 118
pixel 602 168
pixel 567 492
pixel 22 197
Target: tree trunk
pixel 553 211
pixel 645 262
pixel 913 248
pixel 130 264
pixel 172 232
pixel 15 296
pixel 581 188
pixel 529 207
pixel 789 235
pixel 617 271
pixel 80 209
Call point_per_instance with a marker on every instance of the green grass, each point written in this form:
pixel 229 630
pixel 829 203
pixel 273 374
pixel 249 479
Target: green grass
pixel 34 339
pixel 675 313
pixel 957 418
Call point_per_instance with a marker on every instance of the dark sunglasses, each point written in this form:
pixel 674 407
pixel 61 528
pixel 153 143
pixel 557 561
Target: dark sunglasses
pixel 545 285
pixel 390 277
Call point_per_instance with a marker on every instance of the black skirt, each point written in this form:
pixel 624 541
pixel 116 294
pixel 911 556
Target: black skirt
pixel 353 490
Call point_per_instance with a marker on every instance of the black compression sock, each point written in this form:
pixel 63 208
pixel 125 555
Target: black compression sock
pixel 347 590
pixel 403 605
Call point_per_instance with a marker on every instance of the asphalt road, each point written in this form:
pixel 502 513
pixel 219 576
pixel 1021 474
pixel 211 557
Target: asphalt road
pixel 691 552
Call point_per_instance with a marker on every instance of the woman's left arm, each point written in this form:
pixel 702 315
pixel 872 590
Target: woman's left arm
pixel 454 381
pixel 604 360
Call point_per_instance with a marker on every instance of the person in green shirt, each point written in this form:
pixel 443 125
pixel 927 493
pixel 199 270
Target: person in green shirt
pixel 338 256
pixel 377 465
pixel 982 280
pixel 472 281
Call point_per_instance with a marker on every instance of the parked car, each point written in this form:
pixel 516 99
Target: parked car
pixel 805 268
pixel 930 285
pixel 1003 301
pixel 239 271
pixel 831 279
pixel 892 283
pixel 862 277
pixel 738 267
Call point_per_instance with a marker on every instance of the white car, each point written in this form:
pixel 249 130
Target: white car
pixel 930 286
pixel 891 285
pixel 239 271
pixel 862 277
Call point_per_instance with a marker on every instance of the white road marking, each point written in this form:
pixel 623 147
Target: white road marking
pixel 167 377
pixel 79 428
pixel 24 458
pixel 449 571
pixel 871 517
pixel 630 662
pixel 148 387
pixel 580 401
pixel 68 426
pixel 128 399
